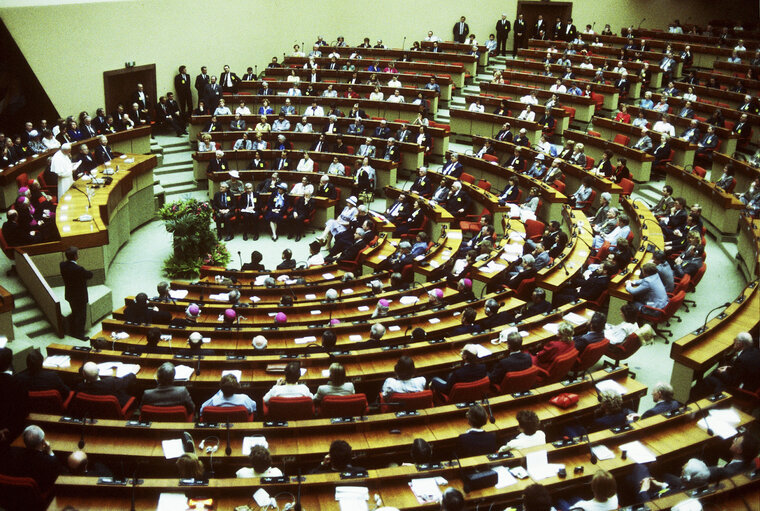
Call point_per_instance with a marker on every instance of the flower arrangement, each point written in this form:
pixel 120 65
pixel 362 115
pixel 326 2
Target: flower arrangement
pixel 194 242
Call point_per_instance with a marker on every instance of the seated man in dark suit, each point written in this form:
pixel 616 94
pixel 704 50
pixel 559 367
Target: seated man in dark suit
pixel 458 201
pixel 476 441
pixel 537 305
pixel 139 312
pixel 93 384
pixel 13 400
pixel 34 377
pixel 595 332
pixel 517 360
pixel 422 185
pixel 224 210
pixel 468 325
pixel 35 460
pixel 16 235
pixel 288 263
pixel 662 395
pixel 471 370
pixel 587 288
pixel 494 318
pixel 453 168
pixel 218 163
pixel 152 338
pixel 740 369
pixel 338 460
pixel 744 449
pixel 166 393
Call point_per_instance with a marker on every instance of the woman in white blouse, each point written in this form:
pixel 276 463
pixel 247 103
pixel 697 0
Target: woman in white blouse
pixel 527 114
pixel 293 77
pixel 336 168
pixel 242 109
pixel 222 109
pixel 50 142
pixel 206 144
pixel 689 94
pixel 306 164
pixel 261 464
pixel 404 382
pixel 530 434
pixel 377 95
pixel 300 188
pixel 340 224
pixel 396 97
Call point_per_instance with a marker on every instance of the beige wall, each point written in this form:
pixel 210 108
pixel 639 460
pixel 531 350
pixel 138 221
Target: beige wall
pixel 69 46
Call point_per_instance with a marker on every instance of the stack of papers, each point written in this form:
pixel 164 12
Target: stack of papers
pixel 394 328
pixel 250 442
pixel 310 296
pixel 482 351
pixel 57 361
pixel 638 452
pixel 408 300
pixel 255 299
pixel 602 452
pixel 183 372
pixel 283 278
pixel 119 335
pixel 722 422
pixel 348 291
pixel 517 235
pixel 574 318
pixel 178 294
pixel 363 308
pixel 259 281
pixel 171 502
pixel 611 385
pixel 539 467
pixel 173 448
pixel 107 369
pixel 552 327
pixel 505 478
pixel 328 276
pixel 352 498
pixel 426 489
pixel 305 340
pixel 492 267
pixel 220 297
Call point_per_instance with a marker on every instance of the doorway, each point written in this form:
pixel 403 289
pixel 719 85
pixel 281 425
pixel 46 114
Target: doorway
pixel 549 10
pixel 121 84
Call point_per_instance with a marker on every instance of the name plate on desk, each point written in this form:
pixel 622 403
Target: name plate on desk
pixel 353 475
pixel 393 348
pixel 564 442
pixel 130 354
pixel 676 412
pixel 522 394
pixel 501 456
pixel 192 482
pixel 275 424
pixel 137 424
pixel 342 420
pixel 716 397
pixel 621 429
pixel 74 420
pixel 465 405
pixel 436 341
pixel 207 425
pixel 407 413
pixel 183 357
pixel 235 357
pixel 274 480
pixel 289 355
pixel 82 348
pixel 177 327
pixel 110 481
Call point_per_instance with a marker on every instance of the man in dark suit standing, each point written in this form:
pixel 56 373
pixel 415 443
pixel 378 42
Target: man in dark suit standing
pixel 166 393
pixel 13 400
pixel 517 360
pixel 503 27
pixel 476 441
pixel 201 81
pixel 212 94
pixel 184 94
pixel 75 283
pixel 570 30
pixel 539 26
pixel 461 29
pixel 521 33
pixel 229 80
pixel 141 98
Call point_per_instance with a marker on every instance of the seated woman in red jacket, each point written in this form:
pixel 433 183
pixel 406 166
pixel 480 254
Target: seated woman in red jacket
pixel 556 347
pixel 623 115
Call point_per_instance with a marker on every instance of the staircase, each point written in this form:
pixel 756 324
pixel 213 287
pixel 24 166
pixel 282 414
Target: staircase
pixel 28 320
pixel 174 173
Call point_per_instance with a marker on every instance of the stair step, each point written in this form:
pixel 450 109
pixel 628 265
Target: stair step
pixel 23 304
pixel 169 181
pixel 27 317
pixel 182 148
pixel 192 193
pixel 179 166
pixel 43 329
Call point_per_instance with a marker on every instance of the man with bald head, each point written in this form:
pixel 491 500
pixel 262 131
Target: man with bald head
pixel 166 393
pixel 78 464
pixel 93 383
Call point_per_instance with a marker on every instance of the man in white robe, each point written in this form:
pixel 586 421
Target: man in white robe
pixel 62 165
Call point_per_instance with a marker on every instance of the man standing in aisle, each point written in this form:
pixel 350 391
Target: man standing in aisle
pixel 503 28
pixel 520 34
pixel 184 94
pixel 75 280
pixel 461 30
pixel 201 81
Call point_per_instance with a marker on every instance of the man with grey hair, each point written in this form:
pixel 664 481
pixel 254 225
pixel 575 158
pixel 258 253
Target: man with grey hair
pixel 662 395
pixel 740 367
pixel 693 474
pixel 36 460
pixel 93 383
pixel 376 333
pixel 102 152
pixel 166 393
pixel 223 204
pixel 392 151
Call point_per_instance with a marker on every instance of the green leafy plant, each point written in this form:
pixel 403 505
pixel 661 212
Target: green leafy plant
pixel 194 242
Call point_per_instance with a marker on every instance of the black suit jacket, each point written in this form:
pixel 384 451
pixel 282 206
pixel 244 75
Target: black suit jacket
pixel 593 287
pixel 459 200
pixel 13 406
pixel 326 191
pixel 744 370
pixel 422 186
pixel 503 27
pixel 182 84
pixel 288 264
pixel 109 386
pixel 42 380
pixel 200 84
pixel 517 361
pixel 75 281
pixel 220 203
pixel 102 154
pixel 218 166
pixel 475 443
pixel 23 462
pixel 466 373
pixel 584 340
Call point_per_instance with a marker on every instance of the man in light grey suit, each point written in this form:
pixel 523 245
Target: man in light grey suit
pixel 166 393
pixel 649 291
pixel 645 142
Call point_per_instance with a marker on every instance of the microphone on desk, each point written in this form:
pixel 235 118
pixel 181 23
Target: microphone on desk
pixel 297 505
pixel 81 435
pixel 593 382
pixel 134 487
pixel 491 418
pixel 198 366
pixel 593 458
pixel 240 259
pixel 89 204
pixel 228 449
pixel 562 265
pixel 642 21
pixel 703 328
pixel 403 44
pixel 709 430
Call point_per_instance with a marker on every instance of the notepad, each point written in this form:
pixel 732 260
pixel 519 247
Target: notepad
pixel 574 318
pixel 171 502
pixel 355 338
pixel 237 373
pixel 178 294
pixel 505 478
pixel 107 369
pixel 348 291
pixel 119 335
pixel 552 327
pixel 173 449
pixel 482 351
pixel 602 452
pixel 183 372
pixel 408 300
pixel 638 452
pixel 394 328
pixel 425 489
pixel 720 428
pixel 434 320
pixel 611 385
pixel 328 276
pixel 255 299
pixel 61 361
pixel 220 297
pixel 315 312
pixel 310 296
pixel 352 498
pixel 362 308
pixel 305 340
